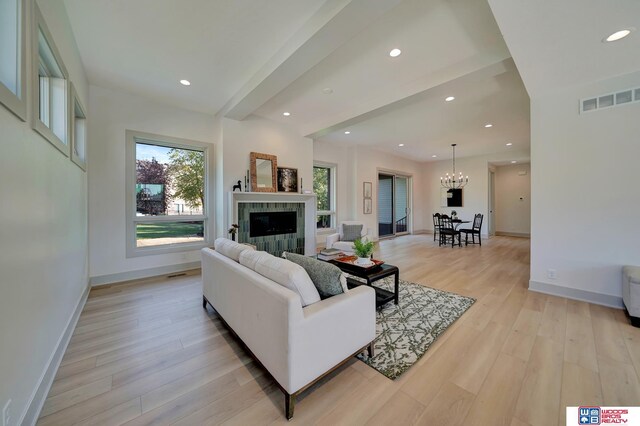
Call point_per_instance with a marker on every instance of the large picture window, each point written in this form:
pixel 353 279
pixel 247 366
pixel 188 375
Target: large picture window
pixel 12 56
pixel 167 194
pixel 51 92
pixel 324 188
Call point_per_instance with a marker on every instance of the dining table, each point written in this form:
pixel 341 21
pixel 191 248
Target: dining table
pixel 458 222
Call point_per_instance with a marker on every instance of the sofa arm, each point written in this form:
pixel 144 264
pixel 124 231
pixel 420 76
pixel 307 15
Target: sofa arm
pixel 331 330
pixel 332 239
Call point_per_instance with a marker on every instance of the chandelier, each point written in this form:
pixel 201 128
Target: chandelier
pixel 453 182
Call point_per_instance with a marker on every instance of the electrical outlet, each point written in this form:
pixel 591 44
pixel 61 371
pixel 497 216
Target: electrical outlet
pixel 6 414
pixel 552 274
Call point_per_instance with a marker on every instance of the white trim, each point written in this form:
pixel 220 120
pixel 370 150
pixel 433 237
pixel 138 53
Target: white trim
pixel 40 24
pixel 17 104
pixel 142 273
pixel 132 250
pixel 39 396
pixel 577 294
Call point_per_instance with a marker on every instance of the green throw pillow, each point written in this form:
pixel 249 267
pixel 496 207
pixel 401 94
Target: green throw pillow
pixel 325 276
pixel 351 232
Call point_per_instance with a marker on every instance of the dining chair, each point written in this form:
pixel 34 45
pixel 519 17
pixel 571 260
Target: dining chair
pixel 475 230
pixel 447 230
pixel 436 225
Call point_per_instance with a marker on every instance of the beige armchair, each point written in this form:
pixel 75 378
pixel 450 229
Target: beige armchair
pixel 337 240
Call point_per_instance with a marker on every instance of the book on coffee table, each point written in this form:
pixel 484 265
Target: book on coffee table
pixel 330 254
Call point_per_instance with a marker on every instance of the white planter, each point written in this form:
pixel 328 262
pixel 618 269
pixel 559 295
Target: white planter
pixel 363 261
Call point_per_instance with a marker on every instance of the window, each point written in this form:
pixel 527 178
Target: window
pixel 324 188
pixel 78 130
pixel 12 56
pixel 167 199
pixel 50 89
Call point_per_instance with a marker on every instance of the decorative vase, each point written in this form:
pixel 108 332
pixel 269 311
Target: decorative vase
pixel 363 261
pixel 233 236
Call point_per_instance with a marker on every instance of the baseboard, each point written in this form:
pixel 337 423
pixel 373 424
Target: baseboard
pixel 142 273
pixel 577 294
pixel 46 380
pixel 422 231
pixel 512 234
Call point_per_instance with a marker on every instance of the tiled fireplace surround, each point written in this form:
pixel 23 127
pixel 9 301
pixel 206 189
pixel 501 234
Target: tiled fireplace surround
pixel 303 241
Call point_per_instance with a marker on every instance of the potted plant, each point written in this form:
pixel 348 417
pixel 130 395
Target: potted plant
pixel 363 250
pixel 233 231
pixel 454 214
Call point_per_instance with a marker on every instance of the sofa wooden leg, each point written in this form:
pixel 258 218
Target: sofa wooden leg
pixel 289 405
pixel 370 350
pixel 204 302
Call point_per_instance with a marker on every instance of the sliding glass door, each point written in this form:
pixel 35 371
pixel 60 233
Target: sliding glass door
pixel 394 195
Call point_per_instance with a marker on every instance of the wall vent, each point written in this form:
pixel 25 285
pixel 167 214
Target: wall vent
pixel 610 100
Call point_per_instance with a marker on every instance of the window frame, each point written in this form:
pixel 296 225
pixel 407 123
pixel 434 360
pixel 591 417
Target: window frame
pixel 73 99
pixel 17 104
pixel 132 250
pixel 39 24
pixel 332 212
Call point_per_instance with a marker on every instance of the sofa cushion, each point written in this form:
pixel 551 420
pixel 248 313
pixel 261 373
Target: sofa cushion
pixel 327 278
pixel 351 232
pixel 230 249
pixel 283 272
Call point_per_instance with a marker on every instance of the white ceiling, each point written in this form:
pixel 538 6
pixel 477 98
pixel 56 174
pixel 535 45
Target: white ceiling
pixel 559 43
pixel 256 57
pixel 147 46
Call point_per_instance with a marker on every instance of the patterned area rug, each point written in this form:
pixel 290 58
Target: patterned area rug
pixel 405 331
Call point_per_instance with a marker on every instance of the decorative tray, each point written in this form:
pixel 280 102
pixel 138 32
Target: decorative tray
pixel 351 260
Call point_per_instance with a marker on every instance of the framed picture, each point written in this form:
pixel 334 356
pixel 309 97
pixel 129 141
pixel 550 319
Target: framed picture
pixel 367 207
pixel 367 189
pixel 287 179
pixel 450 197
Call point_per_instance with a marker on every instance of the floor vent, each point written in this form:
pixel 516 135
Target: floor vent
pixel 610 100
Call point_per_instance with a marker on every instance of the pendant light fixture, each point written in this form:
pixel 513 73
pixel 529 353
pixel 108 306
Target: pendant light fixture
pixel 453 181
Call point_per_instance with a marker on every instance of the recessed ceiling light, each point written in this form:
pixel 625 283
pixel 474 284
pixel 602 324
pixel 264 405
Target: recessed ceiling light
pixel 327 90
pixel 286 114
pixel 618 35
pixel 185 82
pixel 395 52
pixel 509 144
pixel 433 156
pixel 488 125
pixel 347 132
pixel 400 144
pixel 513 162
pixel 449 98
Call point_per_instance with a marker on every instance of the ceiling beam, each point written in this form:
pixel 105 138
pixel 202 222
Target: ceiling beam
pixel 336 22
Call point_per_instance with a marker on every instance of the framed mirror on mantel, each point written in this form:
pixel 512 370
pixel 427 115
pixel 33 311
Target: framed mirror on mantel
pixel 263 171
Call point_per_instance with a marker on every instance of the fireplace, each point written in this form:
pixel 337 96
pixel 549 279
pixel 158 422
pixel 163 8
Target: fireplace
pixel 262 224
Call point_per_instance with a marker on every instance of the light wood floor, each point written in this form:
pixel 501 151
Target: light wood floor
pixel 147 353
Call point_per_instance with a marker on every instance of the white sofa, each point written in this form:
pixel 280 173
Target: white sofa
pixel 297 345
pixel 631 292
pixel 335 240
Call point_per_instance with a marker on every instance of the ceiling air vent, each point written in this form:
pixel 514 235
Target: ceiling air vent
pixel 610 100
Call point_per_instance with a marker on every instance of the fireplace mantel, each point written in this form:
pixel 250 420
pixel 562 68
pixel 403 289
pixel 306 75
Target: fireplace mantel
pixel 309 201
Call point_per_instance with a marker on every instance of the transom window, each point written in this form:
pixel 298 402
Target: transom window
pixel 168 188
pixel 12 56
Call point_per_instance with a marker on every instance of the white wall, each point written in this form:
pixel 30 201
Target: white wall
pixel 585 196
pixel 113 113
pixel 359 164
pixel 475 195
pixel 43 238
pixel 513 199
pixel 265 136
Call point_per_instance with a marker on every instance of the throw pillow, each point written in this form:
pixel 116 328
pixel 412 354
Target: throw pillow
pixel 283 272
pixel 326 277
pixel 351 232
pixel 229 248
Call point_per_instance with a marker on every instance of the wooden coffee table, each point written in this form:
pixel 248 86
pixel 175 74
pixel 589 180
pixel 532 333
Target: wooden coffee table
pixel 372 275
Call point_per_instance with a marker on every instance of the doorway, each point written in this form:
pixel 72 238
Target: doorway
pixel 394 201
pixel 492 202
